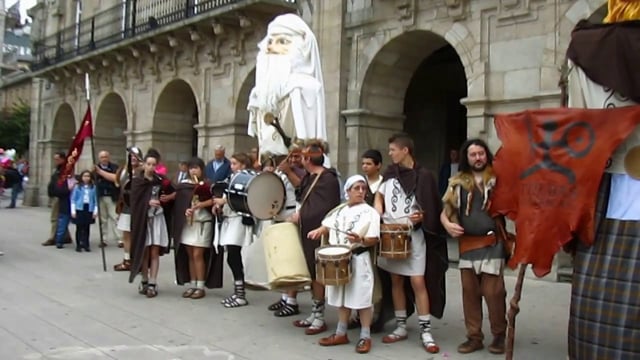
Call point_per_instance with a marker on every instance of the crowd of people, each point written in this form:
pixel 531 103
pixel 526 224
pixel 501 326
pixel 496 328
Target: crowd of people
pixel 149 213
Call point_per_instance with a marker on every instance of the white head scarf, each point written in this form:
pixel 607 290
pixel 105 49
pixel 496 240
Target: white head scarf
pixel 350 182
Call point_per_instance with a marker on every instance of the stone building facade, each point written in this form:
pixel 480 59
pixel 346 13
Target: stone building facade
pixel 177 77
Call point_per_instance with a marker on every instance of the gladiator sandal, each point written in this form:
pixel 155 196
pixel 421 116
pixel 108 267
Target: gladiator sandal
pixel 142 288
pixel 238 298
pixel 152 290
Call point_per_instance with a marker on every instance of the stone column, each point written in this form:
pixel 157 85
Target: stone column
pixel 368 130
pixel 328 20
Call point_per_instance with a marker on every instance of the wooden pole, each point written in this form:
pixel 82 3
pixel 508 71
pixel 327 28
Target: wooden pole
pixel 514 309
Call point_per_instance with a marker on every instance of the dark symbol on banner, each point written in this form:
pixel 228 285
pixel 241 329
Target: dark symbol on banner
pixel 577 140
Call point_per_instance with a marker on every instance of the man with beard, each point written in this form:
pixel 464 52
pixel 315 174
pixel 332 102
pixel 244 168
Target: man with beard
pixel 465 216
pixel 288 99
pixel 409 195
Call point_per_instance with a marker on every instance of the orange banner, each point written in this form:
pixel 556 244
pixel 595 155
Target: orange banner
pixel 548 171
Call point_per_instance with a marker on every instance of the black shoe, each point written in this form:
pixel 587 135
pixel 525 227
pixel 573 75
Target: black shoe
pixel 87 249
pixel 78 249
pixel 59 246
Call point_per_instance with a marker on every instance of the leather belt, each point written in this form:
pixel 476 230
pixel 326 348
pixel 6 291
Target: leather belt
pixel 468 243
pixel 359 250
pixel 290 207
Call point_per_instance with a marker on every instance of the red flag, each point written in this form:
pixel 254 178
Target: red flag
pixel 548 171
pixel 85 131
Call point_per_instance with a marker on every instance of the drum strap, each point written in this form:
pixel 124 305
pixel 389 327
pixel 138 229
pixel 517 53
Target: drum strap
pixel 313 184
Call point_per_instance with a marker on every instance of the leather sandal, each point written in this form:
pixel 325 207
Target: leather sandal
pixel 302 323
pixel 312 330
pixel 287 310
pixel 393 338
pixel 188 292
pixel 152 291
pixel 277 305
pixel 197 294
pixel 125 265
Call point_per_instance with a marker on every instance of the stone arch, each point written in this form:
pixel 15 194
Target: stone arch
pixel 244 141
pixel 174 119
pixel 110 126
pixel 583 9
pixel 64 126
pixel 415 83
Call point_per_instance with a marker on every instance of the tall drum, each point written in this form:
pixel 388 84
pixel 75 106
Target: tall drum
pixel 286 265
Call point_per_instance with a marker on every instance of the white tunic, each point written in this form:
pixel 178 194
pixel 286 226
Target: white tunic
pixel 365 221
pixel 255 267
pixel 200 233
pixel 397 208
pixel 233 231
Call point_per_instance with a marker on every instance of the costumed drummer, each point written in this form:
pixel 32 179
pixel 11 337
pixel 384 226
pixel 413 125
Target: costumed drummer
pixel 408 196
pixel 197 262
pixel 357 225
pixel 254 255
pixel 235 232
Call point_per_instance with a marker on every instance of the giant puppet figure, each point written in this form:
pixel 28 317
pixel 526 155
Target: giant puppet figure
pixel 287 102
pixel 604 318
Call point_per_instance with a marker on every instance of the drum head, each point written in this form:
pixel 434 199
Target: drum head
pixel 237 191
pixel 266 195
pixel 333 250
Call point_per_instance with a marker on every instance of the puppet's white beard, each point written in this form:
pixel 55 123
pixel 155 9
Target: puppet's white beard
pixel 272 73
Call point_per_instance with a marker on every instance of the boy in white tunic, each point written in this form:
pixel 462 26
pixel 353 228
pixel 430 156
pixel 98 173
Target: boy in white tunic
pixel 356 225
pixel 408 195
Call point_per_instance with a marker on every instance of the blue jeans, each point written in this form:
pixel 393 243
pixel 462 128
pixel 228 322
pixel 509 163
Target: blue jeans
pixel 15 190
pixel 61 228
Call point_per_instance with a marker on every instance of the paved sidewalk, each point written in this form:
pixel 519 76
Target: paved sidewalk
pixel 59 304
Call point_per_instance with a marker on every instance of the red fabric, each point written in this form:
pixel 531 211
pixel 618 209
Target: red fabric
pixel 548 171
pixel 85 131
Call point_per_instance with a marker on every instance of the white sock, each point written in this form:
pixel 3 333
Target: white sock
pixel 199 284
pixel 292 301
pixel 127 256
pixel 152 280
pixel 284 297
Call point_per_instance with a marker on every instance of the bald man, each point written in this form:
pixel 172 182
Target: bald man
pixel 108 194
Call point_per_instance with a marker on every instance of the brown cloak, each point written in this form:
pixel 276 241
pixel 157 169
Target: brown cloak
pixel 324 196
pixel 140 196
pixel 422 183
pixel 214 261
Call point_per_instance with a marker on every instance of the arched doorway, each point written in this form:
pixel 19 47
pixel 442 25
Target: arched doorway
pixel 176 113
pixel 244 141
pixel 418 77
pixel 111 123
pixel 64 128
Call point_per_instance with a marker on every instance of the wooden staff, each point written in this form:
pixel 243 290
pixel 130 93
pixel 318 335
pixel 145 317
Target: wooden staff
pixel 514 309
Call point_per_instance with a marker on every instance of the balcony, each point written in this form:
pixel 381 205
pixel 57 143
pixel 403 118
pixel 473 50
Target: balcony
pixel 137 19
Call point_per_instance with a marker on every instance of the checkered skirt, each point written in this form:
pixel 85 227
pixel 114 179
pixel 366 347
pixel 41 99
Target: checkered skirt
pixel 604 318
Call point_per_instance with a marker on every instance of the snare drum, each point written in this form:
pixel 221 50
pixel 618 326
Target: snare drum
pixel 333 265
pixel 261 195
pixel 395 241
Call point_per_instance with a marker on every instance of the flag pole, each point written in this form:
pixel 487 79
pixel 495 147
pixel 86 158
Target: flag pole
pixel 93 158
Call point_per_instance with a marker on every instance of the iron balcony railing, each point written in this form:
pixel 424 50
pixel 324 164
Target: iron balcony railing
pixel 121 22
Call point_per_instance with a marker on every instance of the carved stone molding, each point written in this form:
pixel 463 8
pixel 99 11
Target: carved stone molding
pixel 456 9
pixel 245 31
pixel 221 35
pixel 518 11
